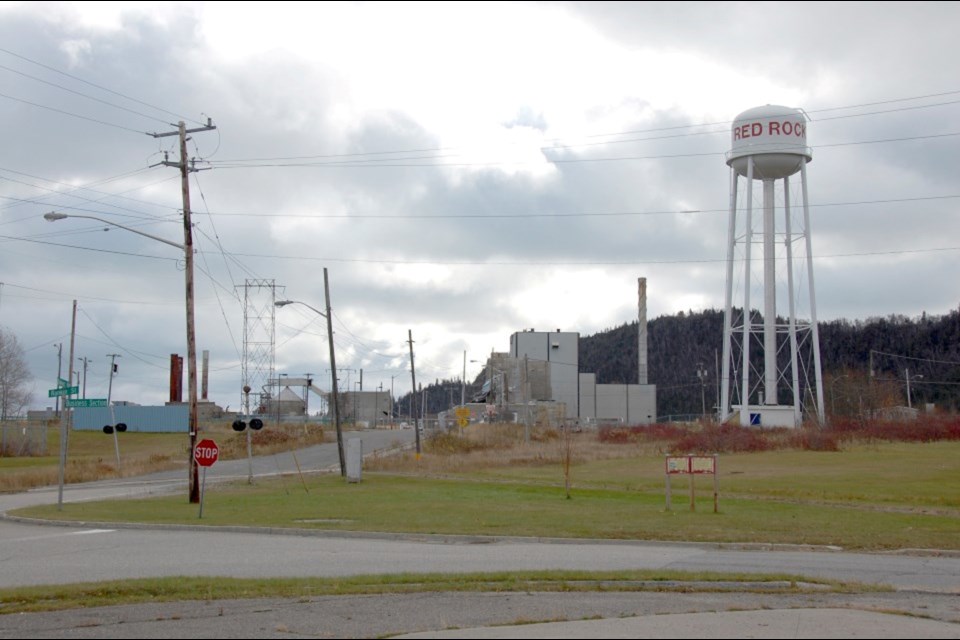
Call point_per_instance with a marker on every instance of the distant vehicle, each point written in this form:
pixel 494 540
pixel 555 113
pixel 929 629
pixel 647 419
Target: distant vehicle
pixel 404 425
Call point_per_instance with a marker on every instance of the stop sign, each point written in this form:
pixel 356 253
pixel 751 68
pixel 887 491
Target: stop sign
pixel 206 453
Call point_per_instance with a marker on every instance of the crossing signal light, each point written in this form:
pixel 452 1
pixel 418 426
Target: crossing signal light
pixel 256 424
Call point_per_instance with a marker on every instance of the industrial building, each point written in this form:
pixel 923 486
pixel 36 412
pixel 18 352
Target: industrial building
pixel 543 368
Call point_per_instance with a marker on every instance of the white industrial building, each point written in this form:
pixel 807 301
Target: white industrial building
pixel 543 368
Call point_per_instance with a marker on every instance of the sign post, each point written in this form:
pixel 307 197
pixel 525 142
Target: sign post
pixel 206 453
pixel 693 465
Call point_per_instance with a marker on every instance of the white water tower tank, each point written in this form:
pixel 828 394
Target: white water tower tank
pixel 769 146
pixel 775 136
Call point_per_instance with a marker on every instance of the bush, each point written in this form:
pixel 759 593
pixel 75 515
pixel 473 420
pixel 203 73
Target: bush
pixel 450 443
pixel 646 433
pixel 923 429
pixel 725 438
pixel 813 439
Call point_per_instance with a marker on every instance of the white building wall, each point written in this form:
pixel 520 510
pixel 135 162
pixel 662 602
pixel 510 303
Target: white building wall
pixel 562 351
pixel 588 395
pixel 631 403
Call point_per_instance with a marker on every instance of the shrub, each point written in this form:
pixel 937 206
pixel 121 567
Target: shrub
pixel 725 438
pixel 923 429
pixel 646 433
pixel 813 439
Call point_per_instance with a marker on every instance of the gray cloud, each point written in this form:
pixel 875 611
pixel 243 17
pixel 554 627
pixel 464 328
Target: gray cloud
pixel 480 264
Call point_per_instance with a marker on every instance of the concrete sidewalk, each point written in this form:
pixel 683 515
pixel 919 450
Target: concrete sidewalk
pixel 783 623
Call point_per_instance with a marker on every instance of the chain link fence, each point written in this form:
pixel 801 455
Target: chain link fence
pixel 22 438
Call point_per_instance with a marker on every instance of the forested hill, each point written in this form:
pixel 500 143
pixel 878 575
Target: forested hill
pixel 929 346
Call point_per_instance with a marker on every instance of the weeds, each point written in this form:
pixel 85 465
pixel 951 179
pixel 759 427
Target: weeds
pixel 270 439
pixel 485 446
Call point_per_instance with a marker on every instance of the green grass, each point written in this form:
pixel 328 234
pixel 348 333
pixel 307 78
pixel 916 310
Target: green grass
pixel 907 475
pixel 125 592
pixel 877 498
pixel 868 497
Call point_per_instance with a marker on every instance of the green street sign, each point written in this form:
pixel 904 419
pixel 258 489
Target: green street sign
pixel 65 391
pixel 62 384
pixel 86 402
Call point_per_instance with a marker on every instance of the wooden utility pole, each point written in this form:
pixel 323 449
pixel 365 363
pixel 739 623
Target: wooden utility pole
pixel 86 361
pixel 413 392
pixel 185 170
pixel 65 415
pixel 333 366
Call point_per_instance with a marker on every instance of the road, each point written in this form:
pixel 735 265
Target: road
pixel 35 554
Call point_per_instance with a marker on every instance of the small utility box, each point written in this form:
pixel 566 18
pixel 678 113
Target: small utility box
pixel 354 456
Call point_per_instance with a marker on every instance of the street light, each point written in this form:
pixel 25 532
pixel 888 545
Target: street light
pixel 916 377
pixel 833 408
pixel 187 248
pixel 702 375
pixel 333 366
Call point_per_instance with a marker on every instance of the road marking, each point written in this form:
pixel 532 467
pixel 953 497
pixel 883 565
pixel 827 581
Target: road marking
pixel 59 535
pixel 89 531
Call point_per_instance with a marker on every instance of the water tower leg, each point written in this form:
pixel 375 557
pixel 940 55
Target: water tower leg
pixel 769 296
pixel 747 317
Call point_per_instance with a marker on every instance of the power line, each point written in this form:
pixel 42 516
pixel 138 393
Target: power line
pixel 67 294
pixel 82 95
pixel 130 352
pixel 727 131
pixel 808 111
pixel 627 263
pixel 232 290
pixel 724 123
pixel 394 163
pixel 97 86
pixel 43 200
pixel 71 246
pixel 914 359
pixel 73 115
pixel 604 214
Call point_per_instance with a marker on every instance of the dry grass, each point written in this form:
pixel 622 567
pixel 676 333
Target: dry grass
pixel 271 439
pixel 491 446
pixel 91 455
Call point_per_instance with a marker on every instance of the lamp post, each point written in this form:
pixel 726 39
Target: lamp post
pixel 916 377
pixel 279 392
pixel 187 248
pixel 393 410
pixel 702 375
pixel 333 366
pixel 59 348
pixel 833 406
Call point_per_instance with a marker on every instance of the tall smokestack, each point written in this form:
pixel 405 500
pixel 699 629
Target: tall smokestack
pixel 642 331
pixel 176 378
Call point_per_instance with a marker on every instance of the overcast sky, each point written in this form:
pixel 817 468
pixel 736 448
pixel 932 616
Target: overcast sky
pixel 463 171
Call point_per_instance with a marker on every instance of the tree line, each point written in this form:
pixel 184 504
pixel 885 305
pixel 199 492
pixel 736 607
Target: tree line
pixel 926 348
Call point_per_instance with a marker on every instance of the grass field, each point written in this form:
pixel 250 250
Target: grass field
pixel 91 455
pixel 876 496
pixel 869 496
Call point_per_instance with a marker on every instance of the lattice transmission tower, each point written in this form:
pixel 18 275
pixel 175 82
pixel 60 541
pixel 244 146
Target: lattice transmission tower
pixel 259 342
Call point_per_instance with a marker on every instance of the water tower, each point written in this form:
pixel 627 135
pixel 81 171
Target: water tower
pixel 771 364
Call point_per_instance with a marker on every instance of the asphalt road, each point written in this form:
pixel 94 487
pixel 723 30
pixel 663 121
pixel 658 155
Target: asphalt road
pixel 35 554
